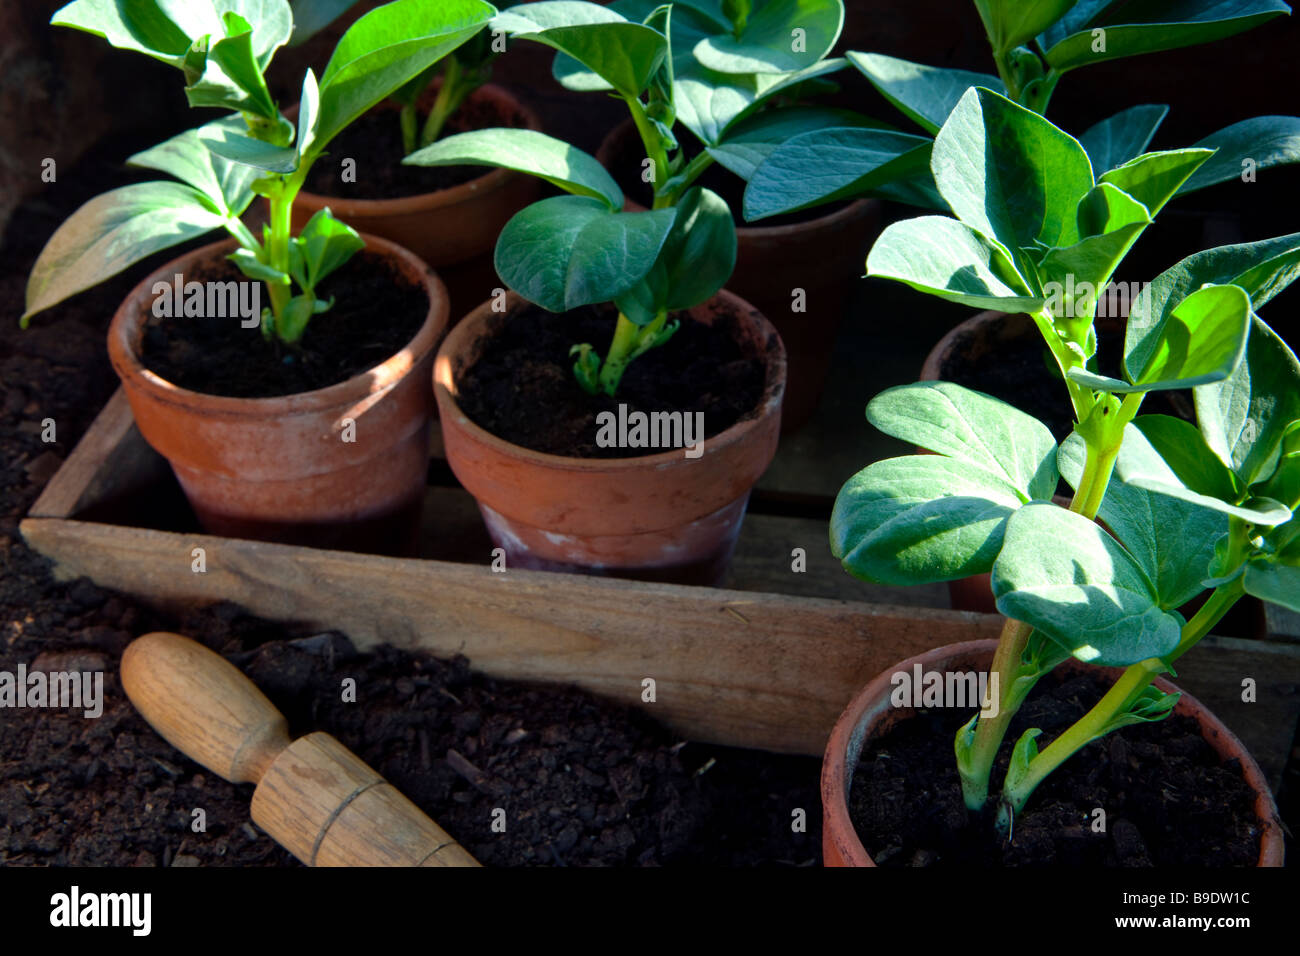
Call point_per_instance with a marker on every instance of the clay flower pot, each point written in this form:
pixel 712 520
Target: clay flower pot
pixel 277 468
pixel 871 715
pixel 662 516
pixel 824 257
pixel 454 230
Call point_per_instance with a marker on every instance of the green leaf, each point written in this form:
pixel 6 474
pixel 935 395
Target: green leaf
pixel 232 77
pixel 1067 577
pixel 1246 417
pixel 1264 141
pixel 1155 178
pixel 1121 137
pixel 529 152
pixel 925 94
pixel 1148 26
pixel 1110 221
pixel 113 231
pixel 1201 340
pixel 1150 706
pixel 778 38
pixel 696 260
pixel 1172 539
pixel 323 245
pixel 308 118
pixel 920 519
pixel 570 251
pixel 625 55
pixel 184 156
pixel 1276 583
pixel 227 139
pixel 144 27
pixel 946 258
pixel 1012 23
pixel 1183 448
pixel 255 268
pixel 749 142
pixel 1010 174
pixel 830 164
pixel 387 47
pixel 972 427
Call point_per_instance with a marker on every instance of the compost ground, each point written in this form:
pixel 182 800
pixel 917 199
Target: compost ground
pixel 582 781
pixel 1168 798
pixel 522 388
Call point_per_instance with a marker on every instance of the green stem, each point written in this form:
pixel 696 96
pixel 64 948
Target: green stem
pixel 241 232
pixel 691 173
pixel 621 353
pixel 654 147
pixel 452 93
pixel 1116 702
pixel 976 764
pixel 408 121
pixel 1006 75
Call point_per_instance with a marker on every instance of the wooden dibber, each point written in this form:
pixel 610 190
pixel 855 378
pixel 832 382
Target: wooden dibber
pixel 314 796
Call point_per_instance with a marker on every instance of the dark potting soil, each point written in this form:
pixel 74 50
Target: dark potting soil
pixel 1168 798
pixel 376 312
pixel 110 792
pixel 375 143
pixel 1024 374
pixel 522 388
pixel 627 160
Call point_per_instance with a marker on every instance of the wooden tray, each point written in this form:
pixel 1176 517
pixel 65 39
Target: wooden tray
pixel 768 662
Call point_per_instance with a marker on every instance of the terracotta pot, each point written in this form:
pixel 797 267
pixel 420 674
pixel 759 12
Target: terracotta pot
pixel 871 715
pixel 454 230
pixel 277 468
pixel 823 256
pixel 662 516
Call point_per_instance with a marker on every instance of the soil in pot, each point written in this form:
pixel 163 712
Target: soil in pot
pixel 1168 798
pixel 376 312
pixel 523 389
pixel 375 142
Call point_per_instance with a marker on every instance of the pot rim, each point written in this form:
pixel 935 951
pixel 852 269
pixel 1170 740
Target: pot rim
pixel 128 322
pixel 837 776
pixel 855 209
pixel 491 181
pixel 769 402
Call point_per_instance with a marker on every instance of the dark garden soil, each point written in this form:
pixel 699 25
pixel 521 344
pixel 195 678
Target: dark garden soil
pixel 627 163
pixel 375 143
pixel 1023 373
pixel 583 782
pixel 522 388
pixel 376 312
pixel 1168 798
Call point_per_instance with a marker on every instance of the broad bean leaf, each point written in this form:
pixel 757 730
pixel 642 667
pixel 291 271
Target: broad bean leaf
pixel 1155 178
pixel 825 165
pixel 1009 173
pixel 947 258
pixel 925 94
pixel 1263 141
pixel 1068 578
pixel 1277 583
pixel 972 427
pixel 1012 23
pixel 1147 26
pixel 921 519
pixel 385 48
pixel 527 151
pixel 115 230
pixel 750 142
pixel 227 184
pixel 780 36
pixel 227 137
pixel 570 251
pixel 321 247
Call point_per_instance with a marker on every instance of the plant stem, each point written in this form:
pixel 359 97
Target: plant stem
pixel 1116 702
pixel 455 87
pixel 408 121
pixel 621 352
pixel 654 148
pixel 691 173
pixel 977 764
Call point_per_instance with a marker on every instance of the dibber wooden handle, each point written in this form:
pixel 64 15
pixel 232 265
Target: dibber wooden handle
pixel 314 796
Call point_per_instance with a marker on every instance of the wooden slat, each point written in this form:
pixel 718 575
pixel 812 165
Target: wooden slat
pixel 745 669
pixel 98 466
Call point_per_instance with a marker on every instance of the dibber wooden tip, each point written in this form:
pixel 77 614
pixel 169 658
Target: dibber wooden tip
pixel 314 796
pixel 202 705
